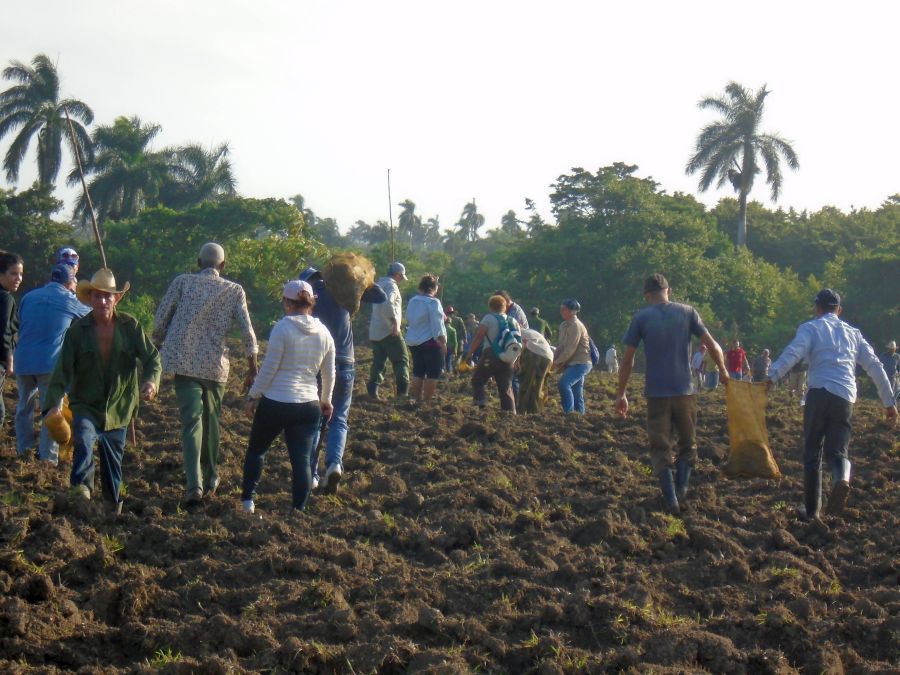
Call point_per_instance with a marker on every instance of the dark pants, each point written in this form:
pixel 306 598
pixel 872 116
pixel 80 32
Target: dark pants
pixel 826 427
pixel 490 366
pixel 110 446
pixel 393 349
pixel 666 415
pixel 300 423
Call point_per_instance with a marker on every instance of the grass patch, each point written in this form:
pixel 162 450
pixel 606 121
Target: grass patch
pixel 785 572
pixel 112 543
pixel 163 657
pixel 674 525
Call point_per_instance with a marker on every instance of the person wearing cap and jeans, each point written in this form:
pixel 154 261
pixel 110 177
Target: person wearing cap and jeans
pixel 666 329
pixel 572 357
pixel 338 322
pixel 833 349
pixel 385 336
pixel 99 368
pixel 284 397
pixel 191 325
pixel 44 317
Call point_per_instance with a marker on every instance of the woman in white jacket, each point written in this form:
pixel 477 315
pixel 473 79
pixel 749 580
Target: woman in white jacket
pixel 426 337
pixel 285 396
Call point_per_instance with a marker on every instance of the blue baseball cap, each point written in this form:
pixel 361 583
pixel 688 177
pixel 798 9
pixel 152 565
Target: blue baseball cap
pixel 309 274
pixel 397 268
pixel 62 274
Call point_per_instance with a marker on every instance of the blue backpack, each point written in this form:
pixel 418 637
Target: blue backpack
pixel 508 344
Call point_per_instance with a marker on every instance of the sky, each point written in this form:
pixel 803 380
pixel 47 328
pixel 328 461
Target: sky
pixel 488 99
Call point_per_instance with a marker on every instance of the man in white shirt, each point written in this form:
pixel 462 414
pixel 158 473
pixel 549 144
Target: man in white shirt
pixel 833 349
pixel 612 360
pixel 385 336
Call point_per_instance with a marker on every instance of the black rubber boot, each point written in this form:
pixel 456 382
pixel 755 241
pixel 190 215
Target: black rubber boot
pixel 682 478
pixel 812 494
pixel 667 485
pixel 840 486
pixel 372 389
pixel 402 390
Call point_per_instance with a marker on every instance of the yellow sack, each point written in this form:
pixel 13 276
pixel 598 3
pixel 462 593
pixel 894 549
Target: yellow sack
pixel 750 453
pixel 60 430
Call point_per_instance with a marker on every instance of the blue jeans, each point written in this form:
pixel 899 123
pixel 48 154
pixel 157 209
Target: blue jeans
pixel 32 388
pixel 712 379
pixel 300 424
pixel 336 434
pixel 571 387
pixel 2 404
pixel 111 446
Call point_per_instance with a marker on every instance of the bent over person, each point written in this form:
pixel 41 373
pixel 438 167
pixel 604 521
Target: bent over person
pixel 666 328
pixel 98 367
pixel 833 349
pixel 191 324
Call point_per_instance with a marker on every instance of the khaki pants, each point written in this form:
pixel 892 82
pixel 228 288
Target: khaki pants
pixel 199 405
pixel 665 416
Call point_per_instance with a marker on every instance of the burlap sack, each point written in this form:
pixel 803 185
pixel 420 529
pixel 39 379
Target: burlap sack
pixel 750 453
pixel 346 276
pixel 60 430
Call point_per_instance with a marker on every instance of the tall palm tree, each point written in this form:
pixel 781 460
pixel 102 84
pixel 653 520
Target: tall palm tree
pixel 126 175
pixel 510 224
pixel 728 148
pixel 197 175
pixel 409 225
pixel 470 221
pixel 33 104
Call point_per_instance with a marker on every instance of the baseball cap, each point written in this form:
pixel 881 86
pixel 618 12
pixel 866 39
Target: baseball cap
pixel 655 282
pixel 309 273
pixel 828 298
pixel 294 287
pixel 62 274
pixel 571 304
pixel 535 311
pixel 67 255
pixel 397 268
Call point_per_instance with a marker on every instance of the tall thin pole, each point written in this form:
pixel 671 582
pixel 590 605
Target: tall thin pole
pixel 85 187
pixel 391 216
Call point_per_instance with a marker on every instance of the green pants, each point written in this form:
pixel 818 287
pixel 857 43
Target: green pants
pixel 199 404
pixel 532 375
pixel 391 348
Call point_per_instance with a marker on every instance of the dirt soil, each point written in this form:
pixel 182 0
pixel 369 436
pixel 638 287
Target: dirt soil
pixel 459 541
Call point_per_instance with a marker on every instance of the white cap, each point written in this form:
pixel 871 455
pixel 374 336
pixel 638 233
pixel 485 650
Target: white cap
pixel 294 287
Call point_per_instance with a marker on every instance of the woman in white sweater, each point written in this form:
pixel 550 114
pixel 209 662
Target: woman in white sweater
pixel 285 396
pixel 426 337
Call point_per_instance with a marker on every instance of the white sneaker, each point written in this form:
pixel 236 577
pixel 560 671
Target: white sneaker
pixel 332 478
pixel 249 506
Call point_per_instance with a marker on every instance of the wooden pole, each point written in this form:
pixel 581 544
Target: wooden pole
pixel 84 186
pixel 391 216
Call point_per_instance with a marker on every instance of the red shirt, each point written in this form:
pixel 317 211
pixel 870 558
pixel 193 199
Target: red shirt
pixel 734 359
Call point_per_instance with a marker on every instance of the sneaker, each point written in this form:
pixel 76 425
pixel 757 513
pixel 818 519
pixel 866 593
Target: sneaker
pixel 332 478
pixel 838 498
pixel 248 506
pixel 211 490
pixel 193 496
pixel 315 482
pixel 80 491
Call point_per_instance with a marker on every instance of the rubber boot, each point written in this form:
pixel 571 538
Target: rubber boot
pixel 682 478
pixel 840 486
pixel 812 494
pixel 667 485
pixel 372 389
pixel 403 390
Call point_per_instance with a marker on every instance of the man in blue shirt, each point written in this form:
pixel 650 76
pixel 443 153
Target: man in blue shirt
pixel 666 329
pixel 833 349
pixel 337 321
pixel 45 314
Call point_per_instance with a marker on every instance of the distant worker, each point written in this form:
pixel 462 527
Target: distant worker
pixel 666 329
pixel 890 359
pixel 572 357
pixel 761 365
pixel 736 360
pixel 541 325
pixel 833 349
pixel 68 256
pixel 459 325
pixel 11 273
pixel 612 360
pixel 106 364
pixel 697 366
pixel 191 325
pixel 710 370
pixel 386 337
pixel 426 336
pixel 45 315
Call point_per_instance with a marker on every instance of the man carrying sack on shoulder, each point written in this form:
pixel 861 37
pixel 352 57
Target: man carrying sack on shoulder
pixel 98 366
pixel 833 349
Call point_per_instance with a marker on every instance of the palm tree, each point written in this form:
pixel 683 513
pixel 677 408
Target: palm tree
pixel 510 224
pixel 470 221
pixel 196 176
pixel 126 176
pixel 727 149
pixel 409 225
pixel 33 104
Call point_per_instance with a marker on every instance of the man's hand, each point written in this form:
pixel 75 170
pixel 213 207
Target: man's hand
pixel 890 415
pixel 327 409
pixel 723 375
pixel 54 411
pixel 622 406
pixel 148 391
pixel 250 408
pixel 769 384
pixel 248 381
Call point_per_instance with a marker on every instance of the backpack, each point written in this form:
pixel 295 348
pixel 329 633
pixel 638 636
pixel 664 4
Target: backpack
pixel 508 344
pixel 595 353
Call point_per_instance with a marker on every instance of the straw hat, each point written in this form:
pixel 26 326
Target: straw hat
pixel 103 280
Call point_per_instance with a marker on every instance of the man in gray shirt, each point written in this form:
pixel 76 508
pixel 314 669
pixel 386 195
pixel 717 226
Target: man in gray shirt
pixel 385 336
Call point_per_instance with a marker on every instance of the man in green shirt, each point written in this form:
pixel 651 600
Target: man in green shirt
pixel 540 325
pixel 98 367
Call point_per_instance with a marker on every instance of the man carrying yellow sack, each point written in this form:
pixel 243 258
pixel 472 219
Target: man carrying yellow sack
pixel 98 366
pixel 833 349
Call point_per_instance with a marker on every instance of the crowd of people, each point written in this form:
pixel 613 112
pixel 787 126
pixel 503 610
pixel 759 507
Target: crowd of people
pixel 69 347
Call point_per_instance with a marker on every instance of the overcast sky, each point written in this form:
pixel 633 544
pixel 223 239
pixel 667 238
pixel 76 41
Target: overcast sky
pixel 484 99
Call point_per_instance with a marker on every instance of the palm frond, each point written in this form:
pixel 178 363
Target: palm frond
pixel 17 149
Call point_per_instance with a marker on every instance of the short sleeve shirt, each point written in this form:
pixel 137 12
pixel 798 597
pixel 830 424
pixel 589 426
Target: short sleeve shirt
pixel 666 330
